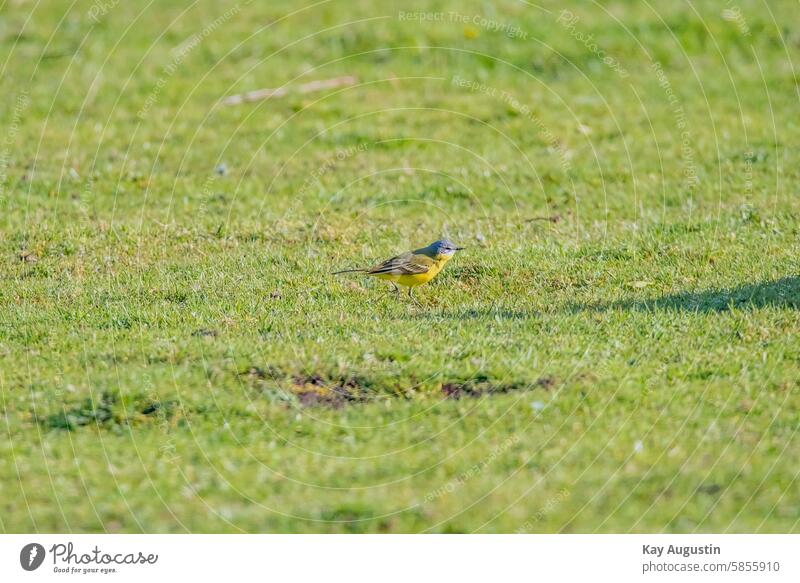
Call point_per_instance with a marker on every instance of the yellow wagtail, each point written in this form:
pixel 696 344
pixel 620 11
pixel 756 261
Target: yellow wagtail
pixel 413 268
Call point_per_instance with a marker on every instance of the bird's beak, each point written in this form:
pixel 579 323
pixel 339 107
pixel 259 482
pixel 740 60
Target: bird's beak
pixel 460 248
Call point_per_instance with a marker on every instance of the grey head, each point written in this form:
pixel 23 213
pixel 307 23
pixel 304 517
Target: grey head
pixel 441 247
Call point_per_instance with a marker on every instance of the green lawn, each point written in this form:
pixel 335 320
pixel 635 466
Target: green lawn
pixel 617 349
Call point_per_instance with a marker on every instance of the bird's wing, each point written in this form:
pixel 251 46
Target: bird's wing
pixel 405 264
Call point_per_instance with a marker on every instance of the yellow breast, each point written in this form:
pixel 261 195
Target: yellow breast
pixel 418 278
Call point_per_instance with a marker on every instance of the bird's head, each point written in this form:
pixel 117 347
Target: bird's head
pixel 442 249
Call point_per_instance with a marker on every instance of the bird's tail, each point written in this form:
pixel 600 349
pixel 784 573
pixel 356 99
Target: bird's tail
pixel 347 271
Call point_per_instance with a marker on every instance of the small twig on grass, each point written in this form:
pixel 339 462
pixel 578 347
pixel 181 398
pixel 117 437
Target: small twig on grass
pixel 552 219
pixel 309 87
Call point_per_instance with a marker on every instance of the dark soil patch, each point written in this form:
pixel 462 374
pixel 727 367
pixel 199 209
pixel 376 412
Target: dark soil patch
pixel 478 388
pixel 165 407
pixel 28 257
pixel 315 391
pixel 333 391
pixel 207 332
pixel 261 374
pixel 310 390
pixel 90 411
pixel 109 411
pixel 546 383
pixel 710 489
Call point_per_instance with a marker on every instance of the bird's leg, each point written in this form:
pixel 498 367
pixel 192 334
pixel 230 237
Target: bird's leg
pixel 411 296
pixel 396 289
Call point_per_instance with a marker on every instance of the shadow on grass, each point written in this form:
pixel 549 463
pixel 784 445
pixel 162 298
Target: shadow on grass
pixel 473 314
pixel 781 293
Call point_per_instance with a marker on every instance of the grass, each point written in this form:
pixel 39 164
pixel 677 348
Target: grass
pixel 174 354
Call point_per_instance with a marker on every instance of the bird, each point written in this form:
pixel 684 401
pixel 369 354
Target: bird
pixel 412 268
